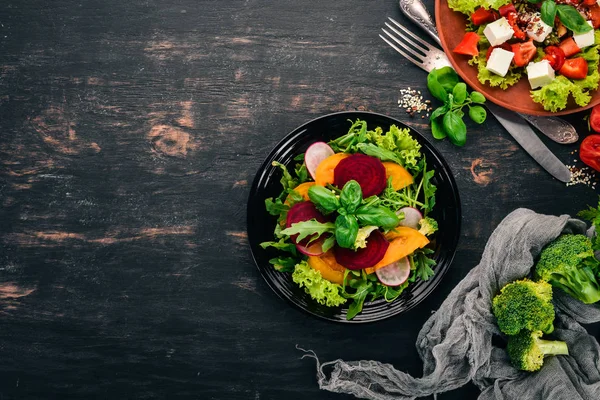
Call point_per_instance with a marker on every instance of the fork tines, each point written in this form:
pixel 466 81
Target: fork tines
pixel 417 48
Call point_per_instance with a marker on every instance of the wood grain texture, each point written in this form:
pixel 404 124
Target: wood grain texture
pixel 130 133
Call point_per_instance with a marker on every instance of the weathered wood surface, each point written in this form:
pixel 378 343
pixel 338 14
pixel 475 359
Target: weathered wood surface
pixel 130 132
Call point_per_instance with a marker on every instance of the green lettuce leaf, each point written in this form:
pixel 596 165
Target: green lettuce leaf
pixel 400 142
pixel 319 288
pixel 484 75
pixel 468 6
pixel 555 95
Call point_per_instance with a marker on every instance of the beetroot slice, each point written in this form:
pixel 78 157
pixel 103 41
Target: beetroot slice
pixel 303 211
pixel 368 171
pixel 365 257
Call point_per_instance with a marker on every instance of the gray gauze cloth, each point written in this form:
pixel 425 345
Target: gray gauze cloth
pixel 455 344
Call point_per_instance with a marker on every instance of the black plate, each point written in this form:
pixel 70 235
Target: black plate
pixel 261 224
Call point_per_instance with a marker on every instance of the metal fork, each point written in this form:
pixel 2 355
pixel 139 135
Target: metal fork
pixel 426 56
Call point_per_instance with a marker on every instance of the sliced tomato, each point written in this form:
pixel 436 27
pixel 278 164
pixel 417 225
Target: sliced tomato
pixel 468 45
pixel 589 2
pixel 512 20
pixel 556 57
pixel 574 68
pixel 569 47
pixel 589 151
pixel 507 8
pixel 524 52
pixel 595 119
pixel 482 16
pixel 595 15
pixel 504 46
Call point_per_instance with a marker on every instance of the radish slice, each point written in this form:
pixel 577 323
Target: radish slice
pixel 316 153
pixel 394 274
pixel 412 216
pixel 313 249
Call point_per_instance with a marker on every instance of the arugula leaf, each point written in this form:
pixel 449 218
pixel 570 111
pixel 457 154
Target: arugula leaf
pixel 307 228
pixel 275 207
pixel 423 263
pixel 373 150
pixel 287 181
pixel 356 134
pixel 282 245
pixel 363 288
pixel 283 264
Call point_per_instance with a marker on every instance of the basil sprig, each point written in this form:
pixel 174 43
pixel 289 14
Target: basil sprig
pixel 447 120
pixel 567 14
pixel 353 214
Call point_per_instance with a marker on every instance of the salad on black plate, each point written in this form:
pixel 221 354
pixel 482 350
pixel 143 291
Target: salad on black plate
pixel 353 217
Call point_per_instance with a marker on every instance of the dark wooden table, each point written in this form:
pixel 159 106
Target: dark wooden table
pixel 130 132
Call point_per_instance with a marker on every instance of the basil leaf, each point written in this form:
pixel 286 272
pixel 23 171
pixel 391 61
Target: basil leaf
pixel 455 128
pixel 351 196
pixel 346 229
pixel 548 12
pixel 323 198
pixel 477 97
pixel 437 129
pixel 377 216
pixel 460 93
pixel 447 77
pixel 435 87
pixel 477 114
pixel 571 18
pixel 439 112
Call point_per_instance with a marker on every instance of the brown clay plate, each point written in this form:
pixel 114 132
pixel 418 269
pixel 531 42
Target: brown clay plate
pixel 451 28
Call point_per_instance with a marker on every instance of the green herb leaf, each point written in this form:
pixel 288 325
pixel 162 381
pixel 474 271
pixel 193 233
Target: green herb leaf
pixel 455 128
pixel 346 229
pixel 283 264
pixel 571 18
pixel 351 196
pixel 459 92
pixel 328 243
pixel 477 114
pixel 438 112
pixel 356 134
pixel 307 228
pixel 282 244
pixel 275 207
pixel 287 181
pixel 548 12
pixel 477 97
pixel 437 128
pixel 373 150
pixel 423 264
pixel 377 216
pixel 358 298
pixel 323 199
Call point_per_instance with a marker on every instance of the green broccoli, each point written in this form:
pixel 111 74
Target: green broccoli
pixel 524 304
pixel 568 263
pixel 428 226
pixel 527 351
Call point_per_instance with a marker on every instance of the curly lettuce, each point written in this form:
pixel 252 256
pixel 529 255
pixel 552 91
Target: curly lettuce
pixel 485 75
pixel 400 142
pixel 468 6
pixel 555 95
pixel 319 288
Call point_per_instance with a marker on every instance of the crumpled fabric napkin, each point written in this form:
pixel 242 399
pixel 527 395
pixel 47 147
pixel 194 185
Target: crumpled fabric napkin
pixel 455 344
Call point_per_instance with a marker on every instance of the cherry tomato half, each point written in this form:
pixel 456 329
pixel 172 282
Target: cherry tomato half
pixel 556 56
pixel 589 151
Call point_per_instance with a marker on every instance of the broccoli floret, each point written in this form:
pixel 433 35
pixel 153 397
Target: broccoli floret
pixel 568 263
pixel 524 304
pixel 527 351
pixel 428 226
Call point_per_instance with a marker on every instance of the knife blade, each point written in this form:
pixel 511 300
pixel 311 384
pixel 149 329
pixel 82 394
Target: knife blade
pixel 530 142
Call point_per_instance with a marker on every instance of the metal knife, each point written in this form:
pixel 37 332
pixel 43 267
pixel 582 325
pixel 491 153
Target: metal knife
pixel 511 121
pixel 556 129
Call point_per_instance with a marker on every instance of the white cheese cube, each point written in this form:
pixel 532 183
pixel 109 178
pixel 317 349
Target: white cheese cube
pixel 585 39
pixel 498 32
pixel 499 61
pixel 539 73
pixel 537 29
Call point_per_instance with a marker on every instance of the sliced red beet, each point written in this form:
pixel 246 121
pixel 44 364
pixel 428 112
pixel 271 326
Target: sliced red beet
pixel 303 211
pixel 368 171
pixel 365 257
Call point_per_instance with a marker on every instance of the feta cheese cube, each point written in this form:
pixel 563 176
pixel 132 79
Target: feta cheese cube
pixel 585 39
pixel 498 32
pixel 499 61
pixel 537 29
pixel 539 73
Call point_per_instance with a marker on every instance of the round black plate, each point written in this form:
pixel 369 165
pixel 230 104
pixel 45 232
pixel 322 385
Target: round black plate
pixel 261 224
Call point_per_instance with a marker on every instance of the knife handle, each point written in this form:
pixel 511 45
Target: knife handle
pixel 555 128
pixel 415 10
